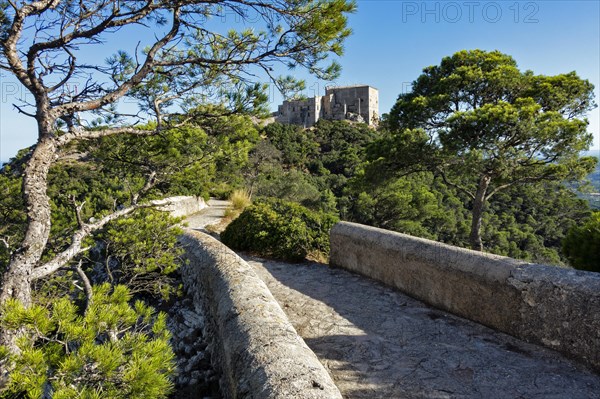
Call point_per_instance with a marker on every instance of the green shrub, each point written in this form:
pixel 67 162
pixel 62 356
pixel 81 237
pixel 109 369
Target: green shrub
pixel 280 229
pixel 582 245
pixel 221 190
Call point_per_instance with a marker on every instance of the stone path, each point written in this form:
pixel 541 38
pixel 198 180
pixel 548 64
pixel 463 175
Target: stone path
pixel 379 343
pixel 209 215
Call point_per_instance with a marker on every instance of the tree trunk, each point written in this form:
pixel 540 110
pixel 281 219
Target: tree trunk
pixel 477 213
pixel 16 281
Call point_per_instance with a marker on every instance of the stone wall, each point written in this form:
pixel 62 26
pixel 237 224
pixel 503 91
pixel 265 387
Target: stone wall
pixel 358 103
pixel 183 205
pixel 300 112
pixel 254 344
pixel 554 307
pixel 356 100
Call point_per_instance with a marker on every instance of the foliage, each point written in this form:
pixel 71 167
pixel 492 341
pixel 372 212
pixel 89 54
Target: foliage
pixel 411 205
pixel 309 166
pixel 180 161
pixel 592 192
pixel 178 64
pixel 186 160
pixel 296 145
pixel 231 138
pixel 106 174
pixel 525 222
pixel 280 229
pixel 530 221
pixel 290 185
pixel 262 158
pixel 484 126
pixel 272 172
pixel 146 252
pixel 140 250
pixel 112 350
pixel 341 146
pixel 336 147
pixel 582 245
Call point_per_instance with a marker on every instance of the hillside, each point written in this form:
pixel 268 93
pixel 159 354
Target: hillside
pixel 594 197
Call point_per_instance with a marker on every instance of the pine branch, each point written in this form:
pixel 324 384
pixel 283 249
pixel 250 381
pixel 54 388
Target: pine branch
pixel 87 286
pixel 84 231
pixel 82 134
pixel 456 186
pixel 149 64
pixel 77 207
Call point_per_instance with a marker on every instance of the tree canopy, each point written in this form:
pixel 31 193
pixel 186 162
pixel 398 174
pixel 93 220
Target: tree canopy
pixel 483 125
pixel 42 43
pixel 582 244
pixel 181 63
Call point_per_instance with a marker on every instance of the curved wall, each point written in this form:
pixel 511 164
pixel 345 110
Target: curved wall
pixel 183 205
pixel 254 344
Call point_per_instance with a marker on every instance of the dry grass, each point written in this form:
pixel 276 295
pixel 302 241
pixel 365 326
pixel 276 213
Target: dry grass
pixel 318 257
pixel 218 228
pixel 240 199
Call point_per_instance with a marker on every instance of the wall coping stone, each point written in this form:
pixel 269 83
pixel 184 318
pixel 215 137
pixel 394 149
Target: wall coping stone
pixel 181 205
pixel 256 348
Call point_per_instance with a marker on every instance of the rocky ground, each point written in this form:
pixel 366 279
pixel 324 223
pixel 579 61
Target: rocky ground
pixel 196 378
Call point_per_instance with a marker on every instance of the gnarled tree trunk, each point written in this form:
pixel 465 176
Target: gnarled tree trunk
pixel 16 281
pixel 477 213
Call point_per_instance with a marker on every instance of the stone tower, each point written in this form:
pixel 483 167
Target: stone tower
pixel 358 103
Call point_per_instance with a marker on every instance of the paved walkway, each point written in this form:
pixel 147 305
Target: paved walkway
pixel 209 215
pixel 379 343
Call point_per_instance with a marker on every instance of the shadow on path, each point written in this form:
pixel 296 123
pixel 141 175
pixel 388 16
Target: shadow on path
pixel 379 343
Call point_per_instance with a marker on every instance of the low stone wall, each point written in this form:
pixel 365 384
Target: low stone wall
pixel 558 308
pixel 258 350
pixel 183 205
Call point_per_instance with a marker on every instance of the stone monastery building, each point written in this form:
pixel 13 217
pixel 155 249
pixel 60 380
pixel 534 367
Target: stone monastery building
pixel 355 103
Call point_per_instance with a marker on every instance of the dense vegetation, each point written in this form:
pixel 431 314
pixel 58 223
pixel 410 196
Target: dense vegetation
pixel 78 230
pixel 112 350
pixel 592 193
pixel 479 154
pixel 91 327
pixel 525 221
pixel 496 169
pixel 484 126
pixel 582 245
pixel 280 229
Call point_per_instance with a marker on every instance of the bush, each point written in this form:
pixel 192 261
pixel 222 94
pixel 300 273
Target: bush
pixel 280 229
pixel 582 245
pixel 221 190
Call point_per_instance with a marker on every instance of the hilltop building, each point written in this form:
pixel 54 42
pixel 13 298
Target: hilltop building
pixel 355 103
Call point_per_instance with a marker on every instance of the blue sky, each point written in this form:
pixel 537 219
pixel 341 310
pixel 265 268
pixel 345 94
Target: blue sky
pixel 394 40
